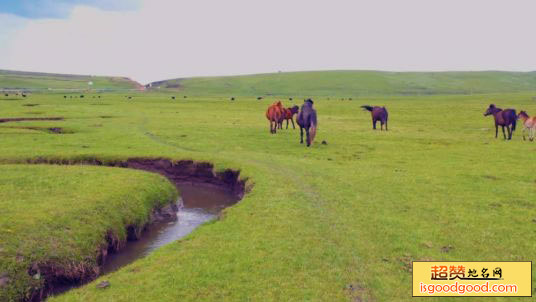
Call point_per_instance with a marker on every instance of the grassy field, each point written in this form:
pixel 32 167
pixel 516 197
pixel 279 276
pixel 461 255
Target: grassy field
pixel 58 216
pixel 43 81
pixel 334 222
pixel 354 83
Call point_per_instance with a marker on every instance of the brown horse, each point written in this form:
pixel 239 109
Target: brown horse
pixel 503 118
pixel 378 114
pixel 273 114
pixel 529 123
pixel 288 114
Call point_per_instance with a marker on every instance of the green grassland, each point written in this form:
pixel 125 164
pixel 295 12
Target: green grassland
pixel 43 81
pixel 354 83
pixel 354 212
pixel 60 215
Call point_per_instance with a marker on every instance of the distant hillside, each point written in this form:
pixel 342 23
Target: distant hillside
pixel 354 83
pixel 44 81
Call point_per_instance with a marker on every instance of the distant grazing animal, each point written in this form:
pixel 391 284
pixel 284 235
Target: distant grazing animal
pixel 259 98
pixel 232 99
pixel 64 96
pixel 99 96
pixel 288 114
pixel 130 98
pixel 185 96
pixel 273 114
pixel 307 120
pixel 23 95
pixel 378 114
pixel 290 99
pixel 7 94
pixel 81 96
pixel 173 97
pixel 503 118
pixel 529 124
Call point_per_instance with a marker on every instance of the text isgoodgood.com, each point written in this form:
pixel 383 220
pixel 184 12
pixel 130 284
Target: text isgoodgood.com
pixel 462 289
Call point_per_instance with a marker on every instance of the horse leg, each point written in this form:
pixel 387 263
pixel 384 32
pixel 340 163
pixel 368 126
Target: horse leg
pixel 510 132
pixel 385 125
pixel 381 125
pixel 287 124
pixel 301 135
pixel 292 124
pixel 503 132
pixel 308 138
pixel 496 130
pixel 373 124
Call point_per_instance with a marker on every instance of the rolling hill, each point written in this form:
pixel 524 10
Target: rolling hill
pixel 35 81
pixel 354 83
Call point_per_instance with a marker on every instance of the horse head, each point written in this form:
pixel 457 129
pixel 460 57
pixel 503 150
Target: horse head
pixel 491 110
pixel 294 109
pixel 522 115
pixel 308 102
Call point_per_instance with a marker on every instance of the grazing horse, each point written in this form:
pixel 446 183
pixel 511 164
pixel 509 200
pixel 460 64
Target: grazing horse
pixel 288 114
pixel 529 123
pixel 273 114
pixel 378 114
pixel 307 119
pixel 503 118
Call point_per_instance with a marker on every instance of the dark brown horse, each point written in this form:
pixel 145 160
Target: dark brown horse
pixel 503 118
pixel 307 120
pixel 273 114
pixel 378 114
pixel 288 114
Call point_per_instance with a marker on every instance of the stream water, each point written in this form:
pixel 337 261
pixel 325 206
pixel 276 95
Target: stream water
pixel 200 203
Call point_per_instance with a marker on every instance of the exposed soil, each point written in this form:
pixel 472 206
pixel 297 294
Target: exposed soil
pixel 178 172
pixel 53 130
pixel 20 119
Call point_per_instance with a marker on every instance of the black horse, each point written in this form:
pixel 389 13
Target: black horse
pixel 378 114
pixel 307 119
pixel 503 118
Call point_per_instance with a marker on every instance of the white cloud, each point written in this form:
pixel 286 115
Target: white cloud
pixel 169 38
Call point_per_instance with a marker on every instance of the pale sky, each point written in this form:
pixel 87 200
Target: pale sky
pixel 150 40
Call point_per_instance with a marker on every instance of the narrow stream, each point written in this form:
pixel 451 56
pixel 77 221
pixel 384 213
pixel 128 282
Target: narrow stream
pixel 200 203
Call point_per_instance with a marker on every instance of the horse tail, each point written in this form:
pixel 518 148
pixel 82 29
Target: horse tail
pixel 367 107
pixel 312 130
pixel 514 121
pixel 312 133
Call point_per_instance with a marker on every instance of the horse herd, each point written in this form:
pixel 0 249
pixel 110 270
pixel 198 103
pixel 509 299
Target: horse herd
pixel 508 118
pixel 307 120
